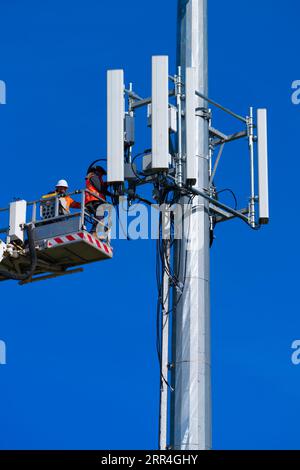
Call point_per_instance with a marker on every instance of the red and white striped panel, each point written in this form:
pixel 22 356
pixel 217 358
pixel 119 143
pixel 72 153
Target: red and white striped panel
pixel 80 236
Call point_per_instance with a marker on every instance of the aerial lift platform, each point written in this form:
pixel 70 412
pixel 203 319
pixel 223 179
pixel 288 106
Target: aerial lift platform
pixel 62 243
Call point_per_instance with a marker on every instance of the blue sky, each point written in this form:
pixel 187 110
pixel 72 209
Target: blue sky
pixel 81 367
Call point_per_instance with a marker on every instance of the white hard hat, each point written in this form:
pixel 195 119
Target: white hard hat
pixel 62 183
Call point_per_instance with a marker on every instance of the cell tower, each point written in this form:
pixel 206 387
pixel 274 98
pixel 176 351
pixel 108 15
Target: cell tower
pixel 185 153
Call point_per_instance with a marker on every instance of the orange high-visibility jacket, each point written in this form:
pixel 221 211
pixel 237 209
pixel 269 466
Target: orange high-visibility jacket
pixel 93 189
pixel 68 203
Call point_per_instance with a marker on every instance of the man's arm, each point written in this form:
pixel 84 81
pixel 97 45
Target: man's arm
pixel 75 205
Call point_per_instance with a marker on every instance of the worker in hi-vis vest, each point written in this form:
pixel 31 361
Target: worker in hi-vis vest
pixel 65 201
pixel 95 195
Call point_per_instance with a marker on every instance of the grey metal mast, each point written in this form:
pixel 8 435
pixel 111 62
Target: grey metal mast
pixel 191 369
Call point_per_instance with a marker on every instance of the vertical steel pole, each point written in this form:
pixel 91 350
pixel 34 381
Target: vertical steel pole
pixel 191 370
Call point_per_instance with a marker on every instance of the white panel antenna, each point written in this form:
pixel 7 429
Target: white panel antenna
pixel 17 219
pixel 115 126
pixel 263 179
pixel 160 112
